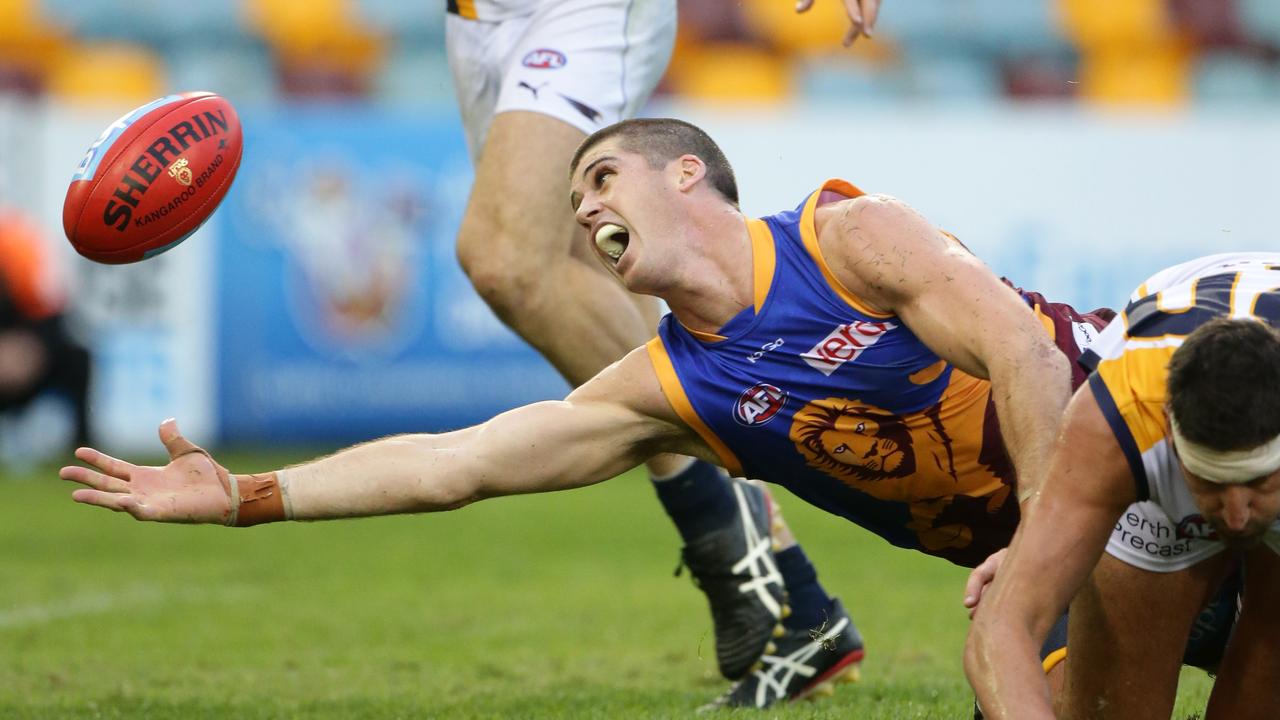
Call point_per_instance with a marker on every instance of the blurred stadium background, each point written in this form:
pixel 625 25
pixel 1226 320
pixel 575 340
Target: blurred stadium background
pixel 1076 145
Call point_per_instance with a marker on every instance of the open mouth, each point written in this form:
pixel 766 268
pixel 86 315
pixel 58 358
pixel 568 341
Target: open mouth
pixel 612 240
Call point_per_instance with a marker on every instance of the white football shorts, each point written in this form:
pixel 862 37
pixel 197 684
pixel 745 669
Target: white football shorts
pixel 589 63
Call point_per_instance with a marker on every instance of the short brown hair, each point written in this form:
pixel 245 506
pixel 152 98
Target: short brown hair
pixel 661 140
pixel 1224 384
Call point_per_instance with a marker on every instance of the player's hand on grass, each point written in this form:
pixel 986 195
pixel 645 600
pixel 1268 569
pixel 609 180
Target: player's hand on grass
pixel 862 17
pixel 192 488
pixel 980 577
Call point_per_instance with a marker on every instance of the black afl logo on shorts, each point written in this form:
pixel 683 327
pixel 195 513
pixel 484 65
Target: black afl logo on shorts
pixel 759 404
pixel 544 59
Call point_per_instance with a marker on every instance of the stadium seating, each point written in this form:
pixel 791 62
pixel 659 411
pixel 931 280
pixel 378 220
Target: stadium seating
pixel 29 46
pixel 136 74
pixel 1230 77
pixel 953 77
pixel 817 31
pixel 1262 19
pixel 243 71
pixel 1131 51
pixel 414 74
pixel 729 72
pixel 848 80
pixel 322 48
pixel 1161 52
pixel 153 22
pixel 1156 74
pixel 413 23
pixel 1017 28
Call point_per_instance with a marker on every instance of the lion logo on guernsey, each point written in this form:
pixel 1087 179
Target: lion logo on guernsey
pixel 861 445
pixel 759 404
pixel 909 459
pixel 882 453
pixel 180 172
pixel 544 59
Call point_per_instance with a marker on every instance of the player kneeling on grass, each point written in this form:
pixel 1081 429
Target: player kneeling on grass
pixel 1182 412
pixel 846 349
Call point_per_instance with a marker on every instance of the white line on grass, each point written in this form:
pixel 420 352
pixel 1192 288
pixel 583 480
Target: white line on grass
pixel 92 603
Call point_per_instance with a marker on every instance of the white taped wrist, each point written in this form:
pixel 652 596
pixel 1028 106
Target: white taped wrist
pixel 283 477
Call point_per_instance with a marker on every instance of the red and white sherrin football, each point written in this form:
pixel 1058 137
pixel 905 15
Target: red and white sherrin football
pixel 152 178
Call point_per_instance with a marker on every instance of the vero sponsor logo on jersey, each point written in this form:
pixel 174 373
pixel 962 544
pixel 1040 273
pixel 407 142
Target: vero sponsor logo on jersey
pixel 843 344
pixel 759 404
pixel 544 59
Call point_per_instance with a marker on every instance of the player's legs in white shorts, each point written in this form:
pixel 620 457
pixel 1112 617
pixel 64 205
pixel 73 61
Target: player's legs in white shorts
pixel 529 87
pixel 589 63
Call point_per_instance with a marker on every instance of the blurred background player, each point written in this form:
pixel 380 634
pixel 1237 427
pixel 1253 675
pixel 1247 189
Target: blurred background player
pixel 533 78
pixel 37 353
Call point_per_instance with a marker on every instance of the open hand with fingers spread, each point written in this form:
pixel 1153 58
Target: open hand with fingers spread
pixel 192 488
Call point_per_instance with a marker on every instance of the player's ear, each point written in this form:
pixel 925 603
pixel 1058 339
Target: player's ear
pixel 692 171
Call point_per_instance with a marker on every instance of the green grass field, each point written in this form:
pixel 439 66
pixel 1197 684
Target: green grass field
pixel 533 607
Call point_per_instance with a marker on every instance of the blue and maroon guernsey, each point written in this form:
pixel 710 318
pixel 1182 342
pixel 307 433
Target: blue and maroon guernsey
pixel 844 406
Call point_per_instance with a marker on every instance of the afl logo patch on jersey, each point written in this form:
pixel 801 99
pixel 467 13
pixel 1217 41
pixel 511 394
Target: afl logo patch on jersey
pixel 544 59
pixel 759 404
pixel 1196 527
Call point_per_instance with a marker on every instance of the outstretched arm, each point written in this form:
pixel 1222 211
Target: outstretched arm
pixel 1059 540
pixel 893 258
pixel 607 426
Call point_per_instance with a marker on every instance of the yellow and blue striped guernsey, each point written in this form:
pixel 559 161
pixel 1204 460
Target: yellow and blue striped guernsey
pixel 1130 360
pixel 811 388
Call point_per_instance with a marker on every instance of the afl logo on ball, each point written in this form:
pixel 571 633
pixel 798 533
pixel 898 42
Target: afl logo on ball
pixel 758 404
pixel 545 59
pixel 180 172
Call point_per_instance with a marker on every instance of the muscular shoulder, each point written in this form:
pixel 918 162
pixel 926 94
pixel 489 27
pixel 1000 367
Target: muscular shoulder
pixel 875 244
pixel 867 213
